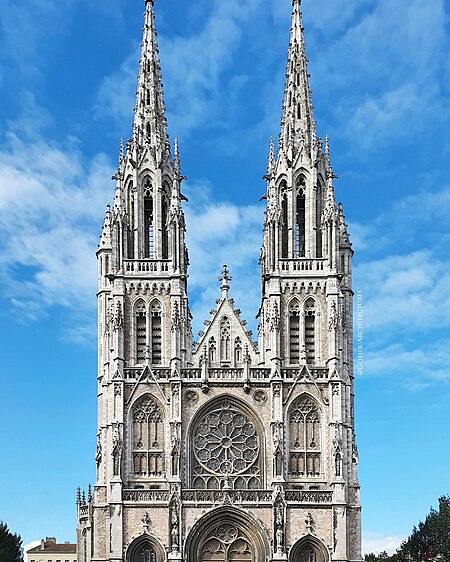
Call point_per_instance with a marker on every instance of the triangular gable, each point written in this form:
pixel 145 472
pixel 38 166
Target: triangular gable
pixel 239 336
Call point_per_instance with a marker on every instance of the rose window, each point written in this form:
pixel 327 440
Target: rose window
pixel 226 444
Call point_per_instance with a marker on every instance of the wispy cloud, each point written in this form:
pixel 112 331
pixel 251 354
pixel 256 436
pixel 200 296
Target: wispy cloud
pixel 377 543
pixel 51 205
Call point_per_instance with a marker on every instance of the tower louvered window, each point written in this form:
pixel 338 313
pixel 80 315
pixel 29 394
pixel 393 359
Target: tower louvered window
pixel 148 435
pixel 284 225
pixel 294 332
pixel 156 332
pixel 310 331
pixel 149 227
pixel 141 332
pixel 304 435
pixel 300 222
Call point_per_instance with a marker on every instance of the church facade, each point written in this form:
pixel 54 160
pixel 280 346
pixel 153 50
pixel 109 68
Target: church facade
pixel 226 449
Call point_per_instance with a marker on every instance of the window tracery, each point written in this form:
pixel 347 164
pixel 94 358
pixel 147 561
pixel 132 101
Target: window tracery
pixel 227 543
pixel 147 436
pixel 226 450
pixel 305 438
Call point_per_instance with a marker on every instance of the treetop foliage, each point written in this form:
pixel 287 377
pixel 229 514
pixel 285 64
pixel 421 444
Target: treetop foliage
pixel 10 545
pixel 428 542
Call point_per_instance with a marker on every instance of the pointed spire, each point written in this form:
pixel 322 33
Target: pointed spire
pixel 149 121
pixel 271 157
pixel 176 157
pixel 297 120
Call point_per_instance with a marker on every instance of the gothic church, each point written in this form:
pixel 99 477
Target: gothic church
pixel 225 450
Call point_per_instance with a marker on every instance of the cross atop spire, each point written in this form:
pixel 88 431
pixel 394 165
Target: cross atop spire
pixel 150 126
pixel 225 278
pixel 297 122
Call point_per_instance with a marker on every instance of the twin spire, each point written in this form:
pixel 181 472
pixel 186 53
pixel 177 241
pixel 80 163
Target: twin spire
pixel 150 125
pixel 297 121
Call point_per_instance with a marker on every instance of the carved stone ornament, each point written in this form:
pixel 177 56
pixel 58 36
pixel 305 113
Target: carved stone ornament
pixel 191 397
pixel 260 397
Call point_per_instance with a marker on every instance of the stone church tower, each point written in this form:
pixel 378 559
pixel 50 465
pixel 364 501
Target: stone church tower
pixel 225 450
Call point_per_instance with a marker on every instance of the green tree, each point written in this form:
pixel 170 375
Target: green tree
pixel 10 545
pixel 430 540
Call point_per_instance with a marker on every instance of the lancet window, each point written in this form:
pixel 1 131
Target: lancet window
pixel 225 339
pixel 237 351
pixel 164 231
pixel 141 331
pixel 294 332
pixel 319 212
pixel 300 221
pixel 156 332
pixel 310 331
pixel 149 226
pixel 284 224
pixel 147 436
pixel 226 449
pixel 212 350
pixel 305 438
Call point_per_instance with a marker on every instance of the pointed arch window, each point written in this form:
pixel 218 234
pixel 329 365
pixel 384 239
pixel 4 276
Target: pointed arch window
pixel 212 351
pixel 310 331
pixel 149 227
pixel 304 438
pixel 284 223
pixel 156 332
pixel 147 438
pixel 294 332
pixel 299 111
pixel 237 351
pixel 141 332
pixel 319 212
pixel 225 339
pixel 300 220
pixel 164 232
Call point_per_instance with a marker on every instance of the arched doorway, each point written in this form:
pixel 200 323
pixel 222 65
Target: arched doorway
pixel 309 549
pixel 145 549
pixel 226 535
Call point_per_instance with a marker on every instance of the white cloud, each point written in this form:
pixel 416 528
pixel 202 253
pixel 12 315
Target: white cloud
pixel 416 366
pixel 51 206
pixel 220 232
pixel 376 543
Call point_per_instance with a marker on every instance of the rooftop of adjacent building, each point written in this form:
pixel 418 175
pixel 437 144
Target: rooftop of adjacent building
pixel 50 546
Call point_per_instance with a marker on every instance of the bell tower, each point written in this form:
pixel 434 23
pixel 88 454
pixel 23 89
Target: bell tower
pixel 224 449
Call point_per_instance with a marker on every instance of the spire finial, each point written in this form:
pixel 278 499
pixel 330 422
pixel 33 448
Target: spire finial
pixel 225 278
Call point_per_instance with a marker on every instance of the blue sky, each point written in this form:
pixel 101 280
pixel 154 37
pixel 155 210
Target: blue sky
pixel 380 75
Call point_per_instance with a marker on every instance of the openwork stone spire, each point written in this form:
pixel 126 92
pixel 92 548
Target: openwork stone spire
pixel 297 122
pixel 150 125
